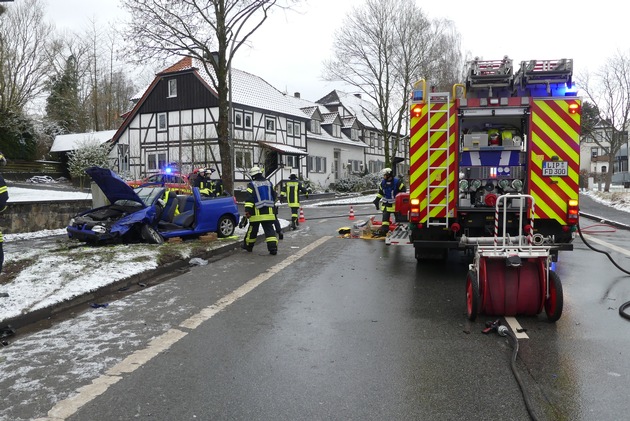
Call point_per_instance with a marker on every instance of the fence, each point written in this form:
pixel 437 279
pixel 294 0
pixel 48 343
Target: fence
pixel 23 170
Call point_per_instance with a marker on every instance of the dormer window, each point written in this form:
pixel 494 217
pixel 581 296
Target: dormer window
pixel 172 88
pixel 316 126
pixel 336 130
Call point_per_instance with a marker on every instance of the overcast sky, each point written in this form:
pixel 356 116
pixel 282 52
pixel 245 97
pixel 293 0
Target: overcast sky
pixel 289 49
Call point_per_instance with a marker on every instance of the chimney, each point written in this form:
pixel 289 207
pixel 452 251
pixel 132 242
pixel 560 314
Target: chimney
pixel 296 94
pixel 358 95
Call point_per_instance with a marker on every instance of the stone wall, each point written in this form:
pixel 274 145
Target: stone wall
pixel 36 216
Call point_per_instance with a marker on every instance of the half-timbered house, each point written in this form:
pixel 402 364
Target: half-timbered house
pixel 174 123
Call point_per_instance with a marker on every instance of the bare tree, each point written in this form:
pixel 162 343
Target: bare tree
pixel 25 54
pixel 382 49
pixel 209 30
pixel 609 91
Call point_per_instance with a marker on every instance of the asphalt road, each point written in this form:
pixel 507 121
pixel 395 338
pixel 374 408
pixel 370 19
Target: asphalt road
pixel 329 329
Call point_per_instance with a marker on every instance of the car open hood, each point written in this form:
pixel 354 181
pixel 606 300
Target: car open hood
pixel 113 187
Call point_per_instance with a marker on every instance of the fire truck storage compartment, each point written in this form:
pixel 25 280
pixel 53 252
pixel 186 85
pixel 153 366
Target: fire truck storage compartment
pixel 487 171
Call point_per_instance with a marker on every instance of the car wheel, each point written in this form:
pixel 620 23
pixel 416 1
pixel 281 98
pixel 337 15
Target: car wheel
pixel 226 226
pixel 150 235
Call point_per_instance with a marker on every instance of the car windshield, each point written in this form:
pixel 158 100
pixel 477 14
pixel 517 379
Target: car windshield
pixel 148 195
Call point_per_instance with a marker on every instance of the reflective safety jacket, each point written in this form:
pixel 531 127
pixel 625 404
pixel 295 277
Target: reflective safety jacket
pixel 4 197
pixel 291 190
pixel 260 200
pixel 388 189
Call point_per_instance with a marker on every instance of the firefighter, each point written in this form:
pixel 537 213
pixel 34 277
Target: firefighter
pixel 290 191
pixel 259 205
pixel 388 189
pixel 203 182
pixel 4 196
pixel 215 186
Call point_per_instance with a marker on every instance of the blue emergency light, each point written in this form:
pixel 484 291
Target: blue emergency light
pixel 168 170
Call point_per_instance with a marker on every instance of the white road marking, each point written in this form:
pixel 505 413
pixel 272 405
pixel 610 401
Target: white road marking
pixel 515 326
pixel 68 407
pixel 606 244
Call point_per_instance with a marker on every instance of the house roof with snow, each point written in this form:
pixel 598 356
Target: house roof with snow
pixel 247 89
pixel 70 142
pixel 354 104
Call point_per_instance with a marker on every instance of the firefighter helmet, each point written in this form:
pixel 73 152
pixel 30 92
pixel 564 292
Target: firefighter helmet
pixel 255 170
pixel 387 172
pixel 293 176
pixel 3 160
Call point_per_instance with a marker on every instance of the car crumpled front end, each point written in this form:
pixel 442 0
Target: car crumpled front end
pixel 92 227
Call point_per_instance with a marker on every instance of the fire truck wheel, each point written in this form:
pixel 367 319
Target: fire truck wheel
pixel 472 295
pixel 553 304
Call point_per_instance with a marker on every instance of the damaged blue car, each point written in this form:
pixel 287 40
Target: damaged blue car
pixel 148 214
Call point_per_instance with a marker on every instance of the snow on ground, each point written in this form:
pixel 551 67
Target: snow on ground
pixel 19 194
pixel 48 278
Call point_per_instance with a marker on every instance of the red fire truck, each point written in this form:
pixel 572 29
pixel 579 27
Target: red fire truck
pixel 494 169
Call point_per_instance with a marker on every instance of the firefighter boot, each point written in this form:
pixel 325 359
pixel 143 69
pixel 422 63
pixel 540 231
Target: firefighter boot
pixel 294 223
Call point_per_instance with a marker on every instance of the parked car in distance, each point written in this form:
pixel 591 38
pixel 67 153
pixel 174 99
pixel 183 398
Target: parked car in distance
pixel 173 181
pixel 142 214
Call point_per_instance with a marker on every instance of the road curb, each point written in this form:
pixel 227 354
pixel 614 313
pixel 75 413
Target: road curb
pixel 605 221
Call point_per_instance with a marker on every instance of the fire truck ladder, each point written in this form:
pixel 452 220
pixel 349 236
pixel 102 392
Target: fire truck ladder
pixel 544 72
pixel 435 114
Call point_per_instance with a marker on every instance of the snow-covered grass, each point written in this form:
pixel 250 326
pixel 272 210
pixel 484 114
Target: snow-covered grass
pixel 617 199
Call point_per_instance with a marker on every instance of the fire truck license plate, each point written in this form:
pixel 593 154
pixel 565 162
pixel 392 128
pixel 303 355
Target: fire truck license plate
pixel 555 168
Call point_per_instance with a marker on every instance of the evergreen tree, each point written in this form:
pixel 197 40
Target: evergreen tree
pixel 63 105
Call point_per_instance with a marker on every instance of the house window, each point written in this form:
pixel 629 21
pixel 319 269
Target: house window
pixel 372 139
pixel 161 122
pixel 243 158
pixel 123 158
pixel 270 124
pixel 238 119
pixel 296 129
pixel 316 126
pixel 248 121
pixel 289 128
pixel 156 160
pixel 292 161
pixel 593 152
pixel 380 140
pixel 354 134
pixel 336 130
pixel 172 88
pixel 355 166
pixel 317 164
pixel 604 168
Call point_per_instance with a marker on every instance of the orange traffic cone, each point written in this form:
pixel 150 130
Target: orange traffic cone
pixel 302 219
pixel 351 216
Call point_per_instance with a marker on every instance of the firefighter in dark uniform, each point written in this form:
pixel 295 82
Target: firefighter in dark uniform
pixel 215 186
pixel 4 196
pixel 259 210
pixel 388 189
pixel 290 192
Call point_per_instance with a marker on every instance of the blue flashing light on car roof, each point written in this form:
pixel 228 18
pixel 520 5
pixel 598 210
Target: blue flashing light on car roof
pixel 168 170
